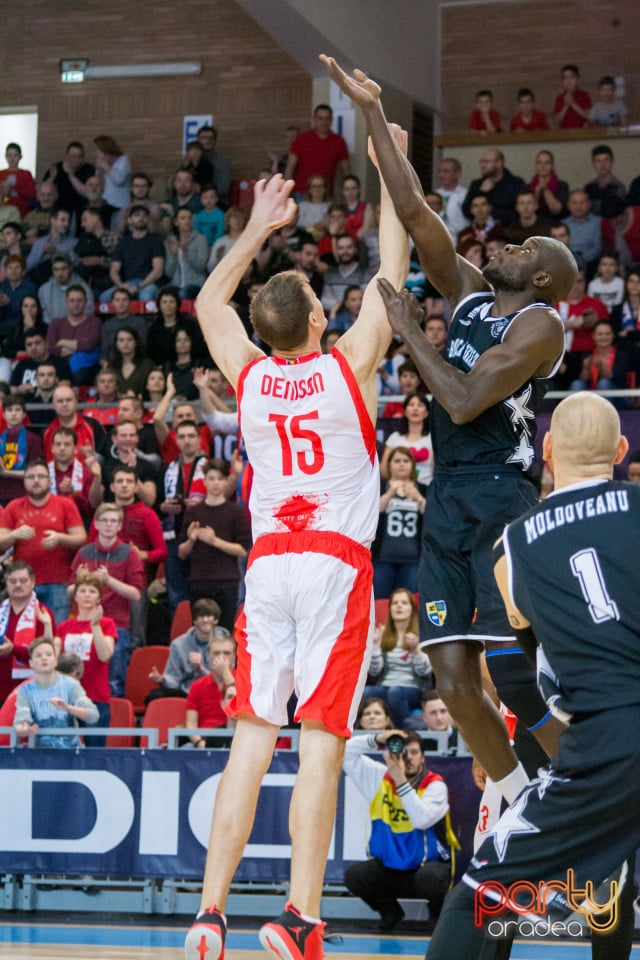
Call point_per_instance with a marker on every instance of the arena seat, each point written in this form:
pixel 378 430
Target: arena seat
pixel 182 620
pixel 122 715
pixel 163 714
pixel 381 611
pixel 137 683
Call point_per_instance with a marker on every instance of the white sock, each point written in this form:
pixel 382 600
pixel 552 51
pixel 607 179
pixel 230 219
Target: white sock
pixel 511 785
pixel 310 919
pixel 201 913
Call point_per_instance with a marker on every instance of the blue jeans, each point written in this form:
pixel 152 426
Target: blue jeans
pixel 150 292
pixel 388 577
pixel 104 711
pixel 54 596
pixel 401 701
pixel 119 662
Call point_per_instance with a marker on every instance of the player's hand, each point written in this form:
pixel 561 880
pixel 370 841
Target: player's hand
pixel 479 775
pixel 403 310
pixel 359 88
pixel 272 207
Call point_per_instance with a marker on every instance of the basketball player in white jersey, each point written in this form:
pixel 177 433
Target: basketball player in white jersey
pixel 307 419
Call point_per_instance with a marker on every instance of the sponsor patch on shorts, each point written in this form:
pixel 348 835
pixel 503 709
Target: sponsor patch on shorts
pixel 436 611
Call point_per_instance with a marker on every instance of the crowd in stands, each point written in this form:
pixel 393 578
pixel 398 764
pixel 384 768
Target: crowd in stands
pixel 116 504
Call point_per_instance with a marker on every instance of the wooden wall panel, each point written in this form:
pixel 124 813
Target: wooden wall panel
pixel 507 45
pixel 252 88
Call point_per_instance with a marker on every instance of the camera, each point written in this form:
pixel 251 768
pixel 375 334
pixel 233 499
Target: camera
pixel 395 745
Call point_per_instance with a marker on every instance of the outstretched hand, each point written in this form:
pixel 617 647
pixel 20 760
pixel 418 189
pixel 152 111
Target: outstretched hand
pixel 272 205
pixel 403 310
pixel 359 88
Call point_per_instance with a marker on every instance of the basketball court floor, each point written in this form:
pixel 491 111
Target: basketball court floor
pixel 53 941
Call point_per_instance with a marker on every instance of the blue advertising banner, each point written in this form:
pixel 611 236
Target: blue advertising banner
pixel 147 813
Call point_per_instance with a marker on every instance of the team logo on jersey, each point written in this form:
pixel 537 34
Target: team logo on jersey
pixel 498 327
pixel 437 612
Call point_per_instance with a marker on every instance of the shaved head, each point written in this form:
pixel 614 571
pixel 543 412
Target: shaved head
pixel 561 267
pixel 584 439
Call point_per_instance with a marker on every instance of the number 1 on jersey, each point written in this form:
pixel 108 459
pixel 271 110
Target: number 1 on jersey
pixel 290 429
pixel 585 565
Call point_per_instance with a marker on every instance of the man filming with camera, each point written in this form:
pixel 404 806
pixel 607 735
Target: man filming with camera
pixel 411 841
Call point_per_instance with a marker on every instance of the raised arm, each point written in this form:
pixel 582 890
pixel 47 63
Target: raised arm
pixel 453 276
pixel 222 328
pixel 529 347
pixel 367 341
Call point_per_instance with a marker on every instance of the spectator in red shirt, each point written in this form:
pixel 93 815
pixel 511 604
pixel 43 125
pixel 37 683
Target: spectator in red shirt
pixel 484 119
pixel 65 403
pixel 105 397
pixel 528 118
pixel 92 637
pixel 142 529
pixel 78 477
pixel 206 695
pixel 44 530
pixel 17 186
pixel 22 620
pixel 317 152
pixel 121 573
pixel 579 314
pixel 572 106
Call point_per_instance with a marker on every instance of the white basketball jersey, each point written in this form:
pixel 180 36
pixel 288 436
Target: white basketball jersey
pixel 312 447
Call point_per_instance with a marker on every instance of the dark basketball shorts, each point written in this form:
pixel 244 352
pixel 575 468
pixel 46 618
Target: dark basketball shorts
pixel 467 511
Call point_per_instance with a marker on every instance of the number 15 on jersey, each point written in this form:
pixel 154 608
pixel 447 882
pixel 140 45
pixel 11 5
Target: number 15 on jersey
pixel 309 455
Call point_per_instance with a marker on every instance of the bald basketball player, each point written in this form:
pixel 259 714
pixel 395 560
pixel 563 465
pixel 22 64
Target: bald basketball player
pixel 566 577
pixel 505 342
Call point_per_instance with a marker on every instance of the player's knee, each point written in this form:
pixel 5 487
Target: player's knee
pixel 514 678
pixel 461 694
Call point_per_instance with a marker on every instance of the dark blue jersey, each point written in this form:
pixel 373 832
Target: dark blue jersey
pixel 574 574
pixel 505 432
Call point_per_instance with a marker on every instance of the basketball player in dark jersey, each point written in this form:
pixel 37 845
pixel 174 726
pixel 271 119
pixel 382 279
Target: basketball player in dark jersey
pixel 505 340
pixel 566 578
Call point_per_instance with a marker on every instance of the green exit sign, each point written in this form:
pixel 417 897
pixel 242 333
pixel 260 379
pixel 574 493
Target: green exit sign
pixel 72 76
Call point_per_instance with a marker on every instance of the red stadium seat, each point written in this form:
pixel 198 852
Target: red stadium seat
pixel 163 714
pixel 137 683
pixel 381 611
pixel 182 620
pixel 122 715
